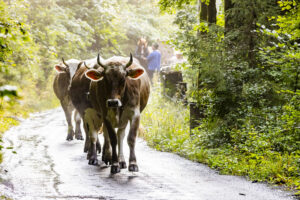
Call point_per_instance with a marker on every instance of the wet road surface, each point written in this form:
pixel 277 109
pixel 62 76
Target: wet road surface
pixel 46 166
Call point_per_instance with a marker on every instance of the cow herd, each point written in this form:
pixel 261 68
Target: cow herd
pixel 103 93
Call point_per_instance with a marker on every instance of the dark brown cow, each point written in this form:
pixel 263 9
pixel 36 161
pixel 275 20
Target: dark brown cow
pixel 120 91
pixel 61 85
pixel 92 121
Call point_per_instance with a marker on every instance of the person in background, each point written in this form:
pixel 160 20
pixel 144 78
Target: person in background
pixel 154 59
pixel 142 52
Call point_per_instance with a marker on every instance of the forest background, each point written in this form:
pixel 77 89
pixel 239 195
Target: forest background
pixel 242 71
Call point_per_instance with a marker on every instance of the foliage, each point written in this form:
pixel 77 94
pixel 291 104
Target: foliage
pixel 251 154
pixel 246 76
pixel 239 75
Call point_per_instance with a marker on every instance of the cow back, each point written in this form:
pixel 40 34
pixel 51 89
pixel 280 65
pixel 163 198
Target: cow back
pixel 79 89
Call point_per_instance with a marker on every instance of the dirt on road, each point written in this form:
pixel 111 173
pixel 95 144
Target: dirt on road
pixel 43 165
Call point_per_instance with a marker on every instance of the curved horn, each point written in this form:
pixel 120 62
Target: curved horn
pixel 85 65
pixel 99 62
pixel 64 62
pixel 130 61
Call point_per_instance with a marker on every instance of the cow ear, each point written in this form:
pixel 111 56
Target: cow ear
pixel 94 75
pixel 60 68
pixel 135 73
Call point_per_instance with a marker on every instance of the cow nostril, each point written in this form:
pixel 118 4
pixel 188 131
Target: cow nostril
pixel 113 103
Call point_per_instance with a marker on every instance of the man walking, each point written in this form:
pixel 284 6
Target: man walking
pixel 153 61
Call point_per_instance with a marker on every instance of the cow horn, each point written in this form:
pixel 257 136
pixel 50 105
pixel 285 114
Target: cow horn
pixel 130 61
pixel 99 62
pixel 64 62
pixel 85 65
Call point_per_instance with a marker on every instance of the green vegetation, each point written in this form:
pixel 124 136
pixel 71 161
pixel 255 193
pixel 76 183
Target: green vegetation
pixel 243 69
pixel 250 153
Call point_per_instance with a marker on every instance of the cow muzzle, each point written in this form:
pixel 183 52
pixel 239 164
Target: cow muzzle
pixel 113 103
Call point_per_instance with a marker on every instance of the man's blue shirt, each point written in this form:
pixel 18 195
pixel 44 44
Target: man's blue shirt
pixel 154 60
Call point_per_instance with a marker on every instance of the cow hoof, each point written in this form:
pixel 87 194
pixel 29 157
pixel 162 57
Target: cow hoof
pixel 133 168
pixel 93 162
pixel 114 169
pixel 85 149
pixel 69 137
pixel 79 137
pixel 107 162
pixel 88 156
pixel 123 165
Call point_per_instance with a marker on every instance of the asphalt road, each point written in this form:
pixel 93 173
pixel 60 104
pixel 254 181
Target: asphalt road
pixel 46 166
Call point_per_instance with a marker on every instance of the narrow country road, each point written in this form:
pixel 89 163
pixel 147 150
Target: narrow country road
pixel 46 166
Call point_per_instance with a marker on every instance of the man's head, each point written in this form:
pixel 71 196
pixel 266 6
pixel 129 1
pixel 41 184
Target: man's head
pixel 155 46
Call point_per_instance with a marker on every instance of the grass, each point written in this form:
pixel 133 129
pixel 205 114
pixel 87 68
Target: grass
pixel 166 128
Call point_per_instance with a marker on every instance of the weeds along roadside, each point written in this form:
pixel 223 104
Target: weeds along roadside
pixel 166 128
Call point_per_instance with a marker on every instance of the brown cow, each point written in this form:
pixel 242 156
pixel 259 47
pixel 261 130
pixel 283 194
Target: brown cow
pixel 120 91
pixel 61 85
pixel 79 93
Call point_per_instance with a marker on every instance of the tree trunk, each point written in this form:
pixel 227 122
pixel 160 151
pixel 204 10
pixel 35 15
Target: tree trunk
pixel 252 37
pixel 203 12
pixel 228 21
pixel 212 12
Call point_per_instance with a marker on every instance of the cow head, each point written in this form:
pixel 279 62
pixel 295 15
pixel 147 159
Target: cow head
pixel 114 75
pixel 62 68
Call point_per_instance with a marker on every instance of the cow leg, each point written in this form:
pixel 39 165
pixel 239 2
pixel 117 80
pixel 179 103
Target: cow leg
pixel 134 125
pixel 121 134
pixel 93 123
pixel 115 167
pixel 98 145
pixel 106 154
pixel 93 160
pixel 77 119
pixel 87 142
pixel 68 112
pixel 87 137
